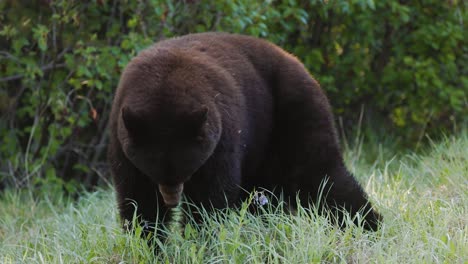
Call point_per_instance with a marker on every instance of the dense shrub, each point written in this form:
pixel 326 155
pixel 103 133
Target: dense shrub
pixel 406 60
pixel 60 62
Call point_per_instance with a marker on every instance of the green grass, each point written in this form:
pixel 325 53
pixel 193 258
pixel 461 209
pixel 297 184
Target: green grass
pixel 423 198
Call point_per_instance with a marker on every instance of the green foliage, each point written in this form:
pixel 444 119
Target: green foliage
pixel 60 62
pixel 406 61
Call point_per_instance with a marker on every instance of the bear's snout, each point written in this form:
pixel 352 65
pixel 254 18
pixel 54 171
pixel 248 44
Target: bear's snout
pixel 171 194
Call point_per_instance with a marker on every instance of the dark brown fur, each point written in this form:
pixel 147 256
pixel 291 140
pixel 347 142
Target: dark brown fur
pixel 224 114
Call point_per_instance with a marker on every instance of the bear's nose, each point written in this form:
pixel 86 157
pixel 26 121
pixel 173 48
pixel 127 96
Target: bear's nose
pixel 171 193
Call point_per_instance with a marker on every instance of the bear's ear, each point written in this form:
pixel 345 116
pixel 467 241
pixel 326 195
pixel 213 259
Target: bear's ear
pixel 133 123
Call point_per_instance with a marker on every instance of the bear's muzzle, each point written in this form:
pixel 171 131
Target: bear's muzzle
pixel 171 194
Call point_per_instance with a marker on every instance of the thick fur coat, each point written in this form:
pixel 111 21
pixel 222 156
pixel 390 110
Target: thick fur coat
pixel 213 116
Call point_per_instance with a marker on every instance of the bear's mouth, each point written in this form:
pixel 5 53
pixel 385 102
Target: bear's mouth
pixel 171 194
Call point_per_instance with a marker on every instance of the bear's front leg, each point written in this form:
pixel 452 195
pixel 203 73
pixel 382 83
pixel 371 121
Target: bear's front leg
pixel 216 185
pixel 137 195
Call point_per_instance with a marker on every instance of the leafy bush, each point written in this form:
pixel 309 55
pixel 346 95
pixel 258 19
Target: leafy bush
pixel 60 62
pixel 405 61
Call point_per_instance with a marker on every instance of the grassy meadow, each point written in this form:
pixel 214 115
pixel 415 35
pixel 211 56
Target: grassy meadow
pixel 423 198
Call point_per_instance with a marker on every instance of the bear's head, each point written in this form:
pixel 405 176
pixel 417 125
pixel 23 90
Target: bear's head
pixel 168 147
pixel 168 128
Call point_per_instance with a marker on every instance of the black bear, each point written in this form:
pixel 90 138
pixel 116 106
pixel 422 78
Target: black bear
pixel 213 116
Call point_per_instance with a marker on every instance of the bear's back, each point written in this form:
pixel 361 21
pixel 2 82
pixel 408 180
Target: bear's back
pixel 227 50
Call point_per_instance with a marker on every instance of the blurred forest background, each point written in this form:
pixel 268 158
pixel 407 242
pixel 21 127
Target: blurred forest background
pixel 401 63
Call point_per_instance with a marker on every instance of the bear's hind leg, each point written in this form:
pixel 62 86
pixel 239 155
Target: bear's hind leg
pixel 309 148
pixel 343 192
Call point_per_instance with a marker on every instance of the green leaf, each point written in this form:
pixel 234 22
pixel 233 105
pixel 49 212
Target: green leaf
pixel 40 33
